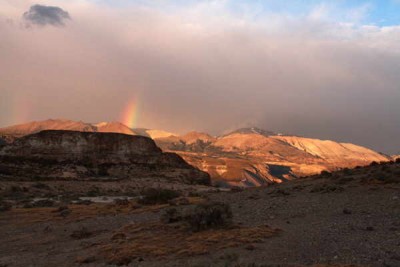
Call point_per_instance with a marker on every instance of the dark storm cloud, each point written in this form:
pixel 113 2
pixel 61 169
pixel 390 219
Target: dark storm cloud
pixel 46 15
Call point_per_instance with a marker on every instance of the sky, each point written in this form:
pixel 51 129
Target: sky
pixel 321 69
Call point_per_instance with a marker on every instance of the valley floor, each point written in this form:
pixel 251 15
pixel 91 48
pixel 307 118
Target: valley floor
pixel 321 221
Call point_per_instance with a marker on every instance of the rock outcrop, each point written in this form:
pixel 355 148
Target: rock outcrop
pixel 86 155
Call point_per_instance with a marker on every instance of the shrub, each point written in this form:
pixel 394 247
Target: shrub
pixel 43 203
pixel 384 167
pixel 153 196
pixel 326 174
pixel 94 192
pixel 347 171
pixel 121 202
pixel 41 186
pixel 4 206
pixel 171 215
pixel 221 184
pixel 81 233
pixel 209 215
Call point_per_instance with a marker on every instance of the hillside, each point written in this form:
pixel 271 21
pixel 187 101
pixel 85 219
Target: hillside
pixel 254 157
pixel 245 157
pixel 334 152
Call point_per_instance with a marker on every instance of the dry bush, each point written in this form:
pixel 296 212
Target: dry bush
pixel 152 196
pixel 5 206
pixel 326 174
pixel 121 202
pixel 171 215
pixel 157 240
pixel 81 233
pixel 43 203
pixel 209 215
pixel 326 188
pixel 27 216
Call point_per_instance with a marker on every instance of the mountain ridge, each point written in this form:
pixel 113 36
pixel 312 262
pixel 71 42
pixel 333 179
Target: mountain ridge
pixel 247 156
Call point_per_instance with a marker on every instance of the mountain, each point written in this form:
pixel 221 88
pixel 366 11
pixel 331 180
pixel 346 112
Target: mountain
pixel 245 157
pixel 17 131
pixel 20 130
pixel 86 155
pixel 252 130
pixel 254 157
pixel 337 153
pixel 114 127
pixel 193 137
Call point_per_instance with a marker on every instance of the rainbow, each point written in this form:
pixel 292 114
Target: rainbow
pixel 14 109
pixel 129 116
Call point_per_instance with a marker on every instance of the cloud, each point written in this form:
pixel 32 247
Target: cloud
pixel 201 67
pixel 46 15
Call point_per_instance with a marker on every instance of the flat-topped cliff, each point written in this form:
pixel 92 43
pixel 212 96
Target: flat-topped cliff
pixel 71 154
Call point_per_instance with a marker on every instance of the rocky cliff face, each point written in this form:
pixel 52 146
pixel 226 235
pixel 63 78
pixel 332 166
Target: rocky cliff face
pixel 85 155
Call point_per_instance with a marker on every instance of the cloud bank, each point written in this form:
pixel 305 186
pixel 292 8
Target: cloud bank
pixel 205 67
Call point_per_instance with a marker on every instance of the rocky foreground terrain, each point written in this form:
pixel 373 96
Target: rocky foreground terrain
pixel 246 157
pixel 345 218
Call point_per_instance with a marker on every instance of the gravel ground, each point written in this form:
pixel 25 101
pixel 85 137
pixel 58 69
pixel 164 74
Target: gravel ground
pixel 322 222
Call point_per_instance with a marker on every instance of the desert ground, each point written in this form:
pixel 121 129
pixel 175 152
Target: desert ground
pixel 348 218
